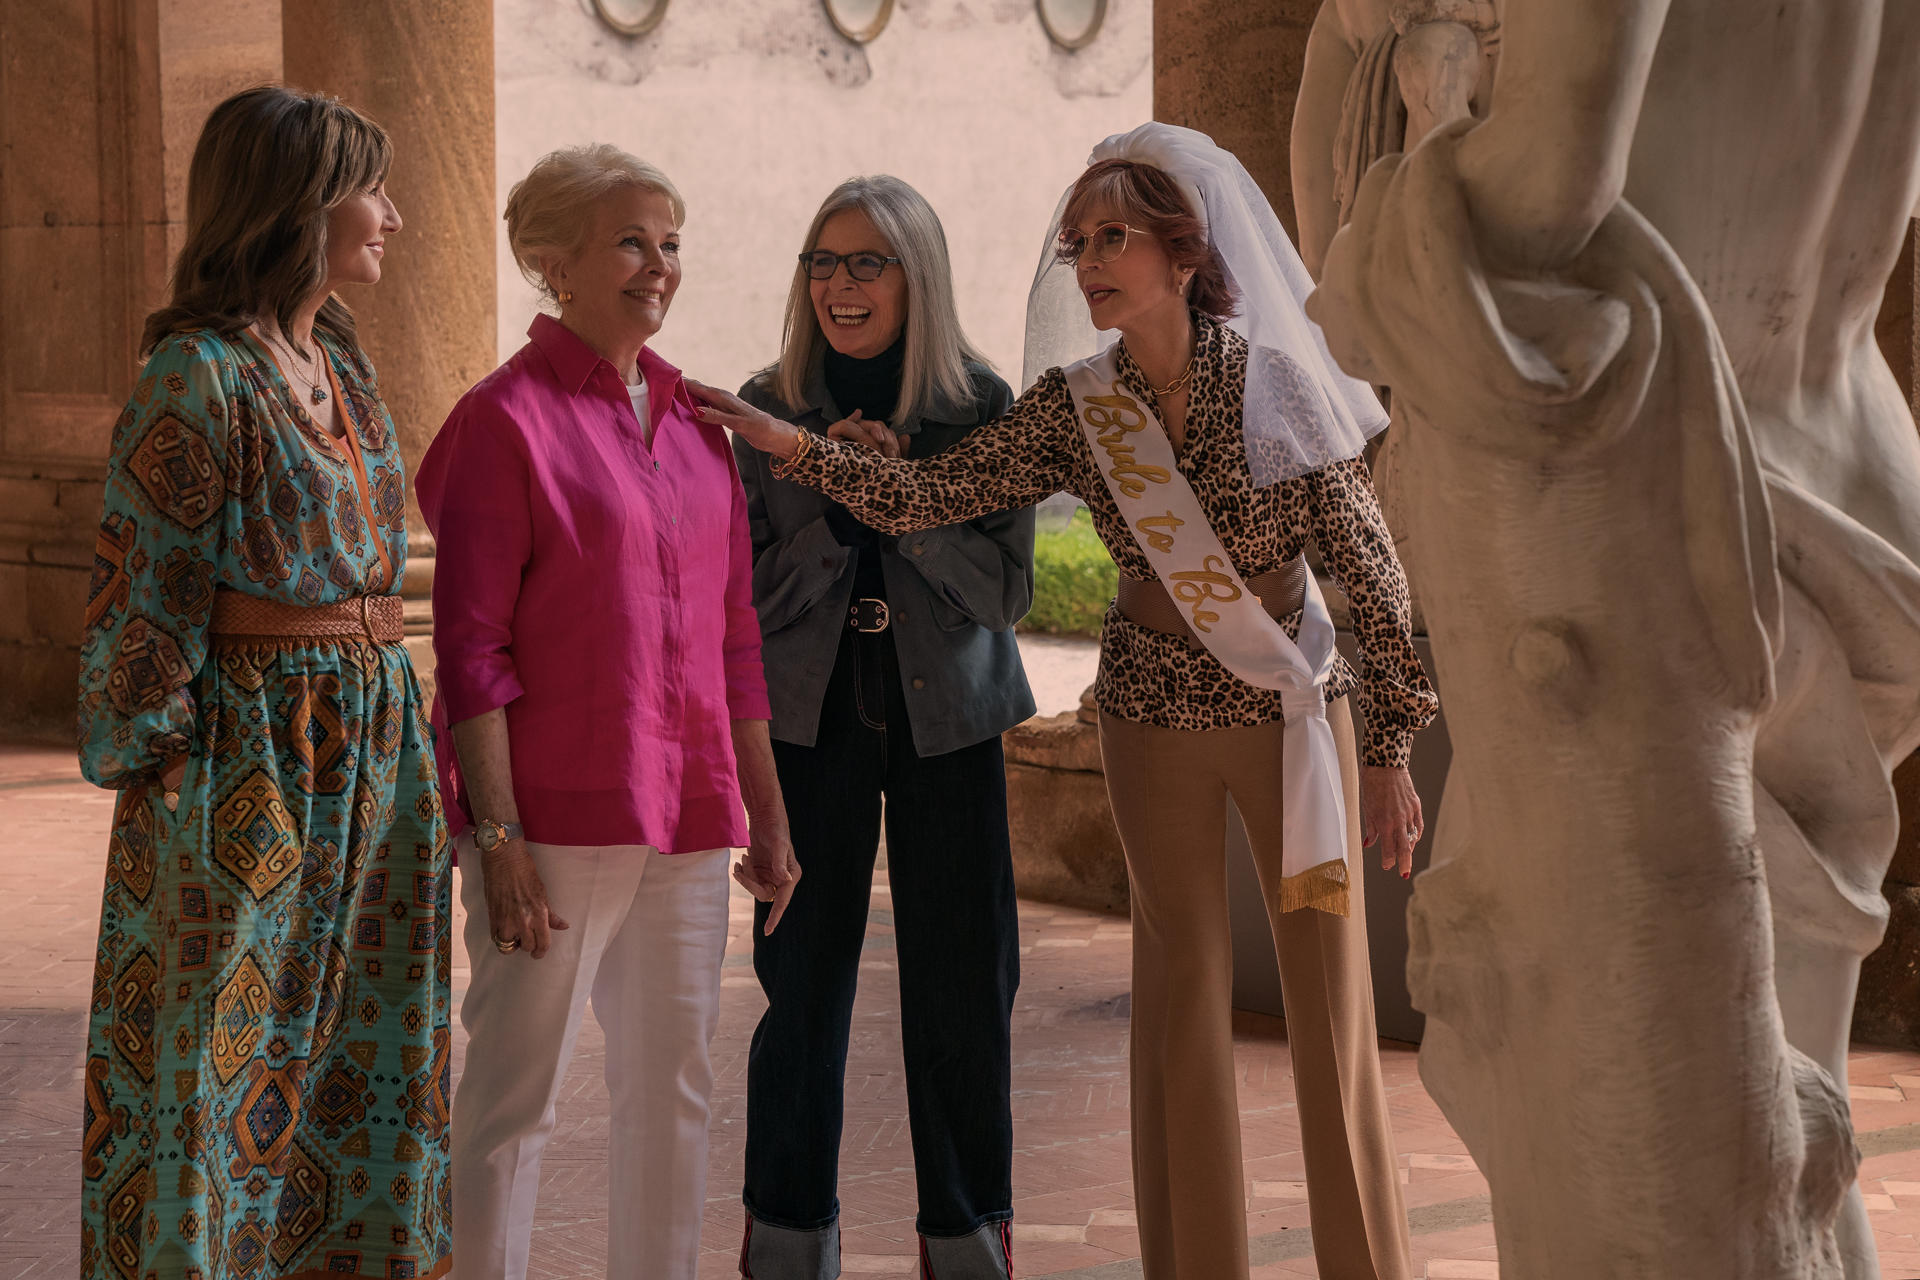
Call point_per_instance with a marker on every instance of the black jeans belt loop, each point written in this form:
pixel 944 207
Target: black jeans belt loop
pixel 869 616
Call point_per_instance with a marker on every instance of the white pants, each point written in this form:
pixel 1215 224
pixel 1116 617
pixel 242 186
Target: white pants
pixel 648 934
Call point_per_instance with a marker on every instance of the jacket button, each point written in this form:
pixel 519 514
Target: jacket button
pixel 918 683
pixel 826 562
pixel 919 550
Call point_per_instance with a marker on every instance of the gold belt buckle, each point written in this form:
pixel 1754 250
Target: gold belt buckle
pixel 875 609
pixel 366 618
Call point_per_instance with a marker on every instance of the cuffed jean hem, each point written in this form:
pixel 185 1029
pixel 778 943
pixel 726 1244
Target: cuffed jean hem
pixel 980 1223
pixel 786 1253
pixel 983 1254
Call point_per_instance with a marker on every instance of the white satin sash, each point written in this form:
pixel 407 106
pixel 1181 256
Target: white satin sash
pixel 1131 448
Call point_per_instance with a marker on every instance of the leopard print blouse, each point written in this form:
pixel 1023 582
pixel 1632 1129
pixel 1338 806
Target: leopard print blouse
pixel 1038 449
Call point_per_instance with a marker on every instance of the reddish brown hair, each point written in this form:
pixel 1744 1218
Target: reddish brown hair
pixel 1147 198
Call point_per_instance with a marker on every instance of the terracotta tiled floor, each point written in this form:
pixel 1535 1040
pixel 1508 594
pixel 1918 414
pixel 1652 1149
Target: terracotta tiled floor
pixel 1074 1205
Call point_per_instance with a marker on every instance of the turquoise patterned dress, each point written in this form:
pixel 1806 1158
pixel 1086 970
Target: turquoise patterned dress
pixel 267 1072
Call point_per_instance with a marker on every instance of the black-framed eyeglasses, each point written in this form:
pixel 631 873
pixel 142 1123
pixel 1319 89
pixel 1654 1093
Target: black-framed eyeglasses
pixel 1103 244
pixel 864 266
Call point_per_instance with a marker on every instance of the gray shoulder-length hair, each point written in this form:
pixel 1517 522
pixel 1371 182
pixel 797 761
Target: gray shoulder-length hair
pixel 937 348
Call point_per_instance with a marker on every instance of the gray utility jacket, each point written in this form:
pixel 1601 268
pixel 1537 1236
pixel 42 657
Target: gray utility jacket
pixel 953 593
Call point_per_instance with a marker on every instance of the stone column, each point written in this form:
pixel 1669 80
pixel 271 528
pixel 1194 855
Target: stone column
pixel 100 106
pixel 424 70
pixel 1232 71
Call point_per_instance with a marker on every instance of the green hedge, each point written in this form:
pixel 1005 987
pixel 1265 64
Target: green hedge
pixel 1073 579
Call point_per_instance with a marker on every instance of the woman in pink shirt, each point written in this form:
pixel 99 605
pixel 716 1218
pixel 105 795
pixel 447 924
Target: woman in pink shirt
pixel 599 675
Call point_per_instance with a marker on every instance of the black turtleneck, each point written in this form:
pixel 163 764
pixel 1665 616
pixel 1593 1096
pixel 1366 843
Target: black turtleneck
pixel 873 387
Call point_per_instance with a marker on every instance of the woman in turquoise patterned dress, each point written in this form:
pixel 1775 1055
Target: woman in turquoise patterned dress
pixel 268 1060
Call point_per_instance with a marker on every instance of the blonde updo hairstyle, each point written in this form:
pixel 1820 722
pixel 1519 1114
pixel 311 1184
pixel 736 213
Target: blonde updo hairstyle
pixel 548 211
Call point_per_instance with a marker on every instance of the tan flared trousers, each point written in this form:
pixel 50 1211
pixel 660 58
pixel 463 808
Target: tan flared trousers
pixel 1169 790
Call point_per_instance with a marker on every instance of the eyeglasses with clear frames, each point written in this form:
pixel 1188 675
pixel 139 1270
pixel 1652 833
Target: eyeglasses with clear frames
pixel 864 266
pixel 1103 244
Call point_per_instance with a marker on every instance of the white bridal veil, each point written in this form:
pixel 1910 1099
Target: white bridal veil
pixel 1300 413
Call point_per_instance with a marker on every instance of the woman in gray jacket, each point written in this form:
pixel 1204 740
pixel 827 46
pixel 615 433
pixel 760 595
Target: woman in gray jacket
pixel 892 669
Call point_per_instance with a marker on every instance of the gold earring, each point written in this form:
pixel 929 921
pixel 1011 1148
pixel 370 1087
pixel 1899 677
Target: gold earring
pixel 565 296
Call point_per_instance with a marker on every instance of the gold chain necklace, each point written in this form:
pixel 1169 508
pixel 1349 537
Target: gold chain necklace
pixel 317 392
pixel 1178 383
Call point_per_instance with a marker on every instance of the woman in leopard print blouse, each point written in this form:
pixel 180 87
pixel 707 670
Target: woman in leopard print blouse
pixel 1179 732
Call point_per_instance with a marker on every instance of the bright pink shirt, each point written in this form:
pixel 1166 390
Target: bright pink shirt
pixel 599 589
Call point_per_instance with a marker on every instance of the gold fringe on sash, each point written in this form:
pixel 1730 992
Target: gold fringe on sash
pixel 1323 888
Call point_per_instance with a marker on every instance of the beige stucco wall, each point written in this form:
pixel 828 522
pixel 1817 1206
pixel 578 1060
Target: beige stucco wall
pixel 756 110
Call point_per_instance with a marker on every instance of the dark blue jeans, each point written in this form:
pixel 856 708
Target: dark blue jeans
pixel 956 940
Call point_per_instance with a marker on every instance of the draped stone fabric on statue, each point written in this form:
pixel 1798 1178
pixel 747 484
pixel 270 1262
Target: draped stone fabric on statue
pixel 1669 664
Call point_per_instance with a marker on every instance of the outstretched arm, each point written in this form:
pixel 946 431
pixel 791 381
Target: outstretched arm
pixel 1551 159
pixel 1014 461
pixel 1316 123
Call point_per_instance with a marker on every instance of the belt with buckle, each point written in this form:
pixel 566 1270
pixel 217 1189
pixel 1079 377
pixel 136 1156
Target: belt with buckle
pixel 238 616
pixel 869 616
pixel 1280 592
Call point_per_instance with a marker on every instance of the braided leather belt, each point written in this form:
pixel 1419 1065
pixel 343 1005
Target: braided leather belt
pixel 1147 604
pixel 237 615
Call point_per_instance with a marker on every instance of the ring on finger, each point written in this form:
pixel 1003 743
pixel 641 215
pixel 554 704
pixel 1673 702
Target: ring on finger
pixel 506 946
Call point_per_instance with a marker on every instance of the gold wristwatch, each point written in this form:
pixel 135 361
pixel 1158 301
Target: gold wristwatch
pixel 488 835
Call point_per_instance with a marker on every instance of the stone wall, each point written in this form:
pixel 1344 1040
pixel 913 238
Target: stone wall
pixel 100 107
pixel 757 111
pixel 100 104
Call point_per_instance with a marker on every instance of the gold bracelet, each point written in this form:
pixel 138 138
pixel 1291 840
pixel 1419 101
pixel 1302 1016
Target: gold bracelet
pixel 802 449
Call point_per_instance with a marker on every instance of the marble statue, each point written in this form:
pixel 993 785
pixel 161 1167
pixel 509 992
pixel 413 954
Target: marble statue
pixel 1660 496
pixel 1380 75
